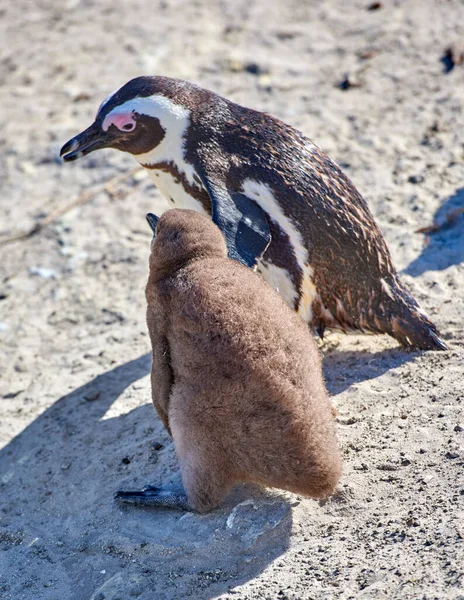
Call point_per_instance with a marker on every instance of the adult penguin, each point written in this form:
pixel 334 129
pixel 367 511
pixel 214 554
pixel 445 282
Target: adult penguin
pixel 283 205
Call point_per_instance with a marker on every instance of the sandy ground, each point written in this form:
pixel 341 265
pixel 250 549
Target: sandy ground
pixel 76 419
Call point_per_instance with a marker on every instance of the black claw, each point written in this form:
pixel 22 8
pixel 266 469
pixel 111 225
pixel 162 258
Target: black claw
pixel 140 497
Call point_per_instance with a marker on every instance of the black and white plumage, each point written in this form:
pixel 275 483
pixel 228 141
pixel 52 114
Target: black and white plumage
pixel 281 203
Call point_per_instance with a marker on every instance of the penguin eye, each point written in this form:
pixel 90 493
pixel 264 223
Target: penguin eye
pixel 124 121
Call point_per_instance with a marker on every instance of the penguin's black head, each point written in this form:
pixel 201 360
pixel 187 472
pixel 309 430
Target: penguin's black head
pixel 137 119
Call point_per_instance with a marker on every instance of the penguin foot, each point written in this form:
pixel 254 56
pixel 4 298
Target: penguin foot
pixel 155 497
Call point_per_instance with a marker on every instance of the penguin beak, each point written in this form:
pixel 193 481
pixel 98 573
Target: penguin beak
pixel 152 221
pixel 93 138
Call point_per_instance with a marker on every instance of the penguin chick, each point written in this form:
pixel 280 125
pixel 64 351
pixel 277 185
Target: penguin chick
pixel 236 375
pixel 277 198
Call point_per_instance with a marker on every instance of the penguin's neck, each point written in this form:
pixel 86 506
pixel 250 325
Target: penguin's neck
pixel 174 185
pixel 175 178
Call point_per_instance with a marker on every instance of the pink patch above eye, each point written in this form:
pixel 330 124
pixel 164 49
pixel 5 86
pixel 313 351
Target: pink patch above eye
pixel 123 121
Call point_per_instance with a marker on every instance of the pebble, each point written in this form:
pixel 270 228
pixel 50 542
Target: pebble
pixel 252 521
pixel 27 168
pixel 43 272
pixel 375 6
pixel 451 455
pixel 348 82
pixel 416 179
pixel 454 55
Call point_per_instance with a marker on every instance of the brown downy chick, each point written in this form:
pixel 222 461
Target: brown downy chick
pixel 236 374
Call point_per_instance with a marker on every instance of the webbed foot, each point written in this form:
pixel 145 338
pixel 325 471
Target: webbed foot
pixel 155 497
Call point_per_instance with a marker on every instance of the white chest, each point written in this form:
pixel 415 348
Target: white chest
pixel 172 188
pixel 279 279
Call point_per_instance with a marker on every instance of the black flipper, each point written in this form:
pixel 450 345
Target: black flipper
pixel 242 222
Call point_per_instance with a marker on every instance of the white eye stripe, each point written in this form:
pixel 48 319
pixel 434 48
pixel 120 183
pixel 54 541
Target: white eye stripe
pixel 106 100
pixel 175 120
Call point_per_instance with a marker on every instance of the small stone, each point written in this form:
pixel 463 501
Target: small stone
pixel 347 420
pixel 451 455
pixel 10 395
pixel 43 272
pixel 91 396
pixel 236 65
pixel 367 53
pixel 460 530
pixel 415 179
pixel 375 6
pixel 254 69
pixel 387 467
pixel 362 467
pixel 139 175
pixel 81 97
pixel 28 168
pixel 453 56
pixel 348 82
pixel 65 466
pixel 112 316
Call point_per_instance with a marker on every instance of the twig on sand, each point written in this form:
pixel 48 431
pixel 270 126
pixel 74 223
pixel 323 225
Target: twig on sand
pixel 449 218
pixel 82 198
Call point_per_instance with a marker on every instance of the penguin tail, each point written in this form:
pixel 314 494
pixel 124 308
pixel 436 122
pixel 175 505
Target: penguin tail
pixel 407 322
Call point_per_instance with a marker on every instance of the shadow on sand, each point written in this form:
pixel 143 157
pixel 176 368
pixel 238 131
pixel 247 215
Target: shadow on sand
pixel 344 368
pixel 60 524
pixel 64 535
pixel 446 246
